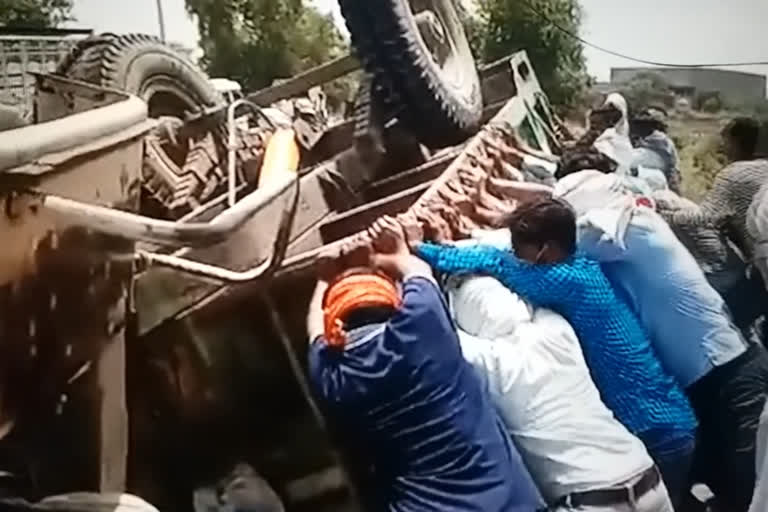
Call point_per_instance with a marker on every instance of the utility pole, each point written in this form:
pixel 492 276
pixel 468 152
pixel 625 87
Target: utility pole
pixel 161 19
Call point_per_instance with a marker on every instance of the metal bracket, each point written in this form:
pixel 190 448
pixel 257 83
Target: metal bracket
pixel 136 227
pixel 223 275
pixel 232 143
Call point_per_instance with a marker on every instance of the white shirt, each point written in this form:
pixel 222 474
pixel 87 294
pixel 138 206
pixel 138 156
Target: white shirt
pixel 535 372
pixel 685 317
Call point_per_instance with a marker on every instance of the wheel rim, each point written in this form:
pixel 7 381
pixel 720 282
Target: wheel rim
pixel 442 35
pixel 163 99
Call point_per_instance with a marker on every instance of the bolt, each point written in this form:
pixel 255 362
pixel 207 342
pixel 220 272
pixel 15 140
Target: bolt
pixel 33 350
pixel 53 302
pixel 32 330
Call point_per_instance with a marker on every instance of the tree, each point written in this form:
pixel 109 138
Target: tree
pixel 35 13
pixel 258 41
pixel 647 89
pixel 497 28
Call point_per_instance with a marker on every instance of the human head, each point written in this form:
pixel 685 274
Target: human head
pixel 543 230
pixel 357 297
pixel 648 121
pixel 601 119
pixel 618 102
pixel 582 160
pixel 740 138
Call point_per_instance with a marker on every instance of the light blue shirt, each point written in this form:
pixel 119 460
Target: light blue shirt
pixel 684 316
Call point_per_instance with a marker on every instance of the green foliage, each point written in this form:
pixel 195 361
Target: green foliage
pixel 701 159
pixel 500 27
pixel 258 41
pixel 35 13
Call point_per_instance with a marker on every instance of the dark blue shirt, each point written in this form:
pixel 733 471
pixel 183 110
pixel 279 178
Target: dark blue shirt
pixel 408 402
pixel 631 380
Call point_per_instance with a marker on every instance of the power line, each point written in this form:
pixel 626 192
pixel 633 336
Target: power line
pixel 635 59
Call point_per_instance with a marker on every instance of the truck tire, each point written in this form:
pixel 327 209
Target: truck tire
pixel 142 65
pixel 438 96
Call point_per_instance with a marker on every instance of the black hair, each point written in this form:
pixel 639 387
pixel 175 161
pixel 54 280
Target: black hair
pixel 745 132
pixel 584 159
pixel 544 220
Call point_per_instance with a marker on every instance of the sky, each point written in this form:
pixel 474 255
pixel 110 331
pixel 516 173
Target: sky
pixel 673 31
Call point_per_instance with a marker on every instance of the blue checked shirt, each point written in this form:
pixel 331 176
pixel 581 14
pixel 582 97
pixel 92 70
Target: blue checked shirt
pixel 630 378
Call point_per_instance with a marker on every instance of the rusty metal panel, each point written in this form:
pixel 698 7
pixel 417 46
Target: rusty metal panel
pixel 350 222
pixel 163 293
pixel 62 303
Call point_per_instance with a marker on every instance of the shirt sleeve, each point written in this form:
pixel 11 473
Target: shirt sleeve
pixel 719 196
pixel 481 355
pixel 716 206
pixel 699 216
pixel 450 259
pixel 544 285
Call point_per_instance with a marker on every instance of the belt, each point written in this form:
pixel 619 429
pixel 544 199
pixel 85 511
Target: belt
pixel 607 497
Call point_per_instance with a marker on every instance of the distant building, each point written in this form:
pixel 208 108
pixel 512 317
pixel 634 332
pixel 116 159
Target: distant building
pixel 24 51
pixel 733 86
pixel 31 50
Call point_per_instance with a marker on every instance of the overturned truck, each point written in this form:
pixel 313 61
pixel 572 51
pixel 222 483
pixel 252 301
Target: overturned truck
pixel 160 244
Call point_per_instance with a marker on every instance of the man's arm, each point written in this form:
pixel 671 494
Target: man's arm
pixel 520 190
pixel 544 285
pixel 457 260
pixel 693 217
pixel 315 324
pixel 715 206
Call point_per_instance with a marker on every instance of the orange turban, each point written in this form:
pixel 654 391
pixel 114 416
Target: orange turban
pixel 355 292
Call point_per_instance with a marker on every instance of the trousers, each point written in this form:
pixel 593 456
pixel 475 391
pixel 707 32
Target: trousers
pixel 655 500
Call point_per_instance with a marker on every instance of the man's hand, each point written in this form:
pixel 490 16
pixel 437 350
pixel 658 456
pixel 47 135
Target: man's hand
pixel 388 237
pixel 328 264
pixel 358 252
pixel 412 228
pixel 436 228
pixel 392 254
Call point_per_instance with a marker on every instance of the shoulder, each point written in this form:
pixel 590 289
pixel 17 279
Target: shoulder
pixel 738 171
pixel 552 329
pixel 581 261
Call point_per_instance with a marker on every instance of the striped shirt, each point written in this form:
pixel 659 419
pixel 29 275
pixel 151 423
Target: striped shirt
pixel 630 378
pixel 731 196
pixel 706 241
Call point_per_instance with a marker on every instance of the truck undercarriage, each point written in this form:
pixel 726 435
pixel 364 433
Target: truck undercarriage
pixel 153 296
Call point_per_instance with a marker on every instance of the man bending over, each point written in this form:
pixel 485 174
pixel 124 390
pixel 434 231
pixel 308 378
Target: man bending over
pixel 533 367
pixel 544 269
pixel 386 365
